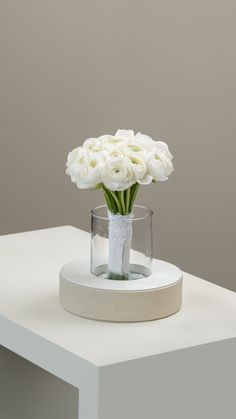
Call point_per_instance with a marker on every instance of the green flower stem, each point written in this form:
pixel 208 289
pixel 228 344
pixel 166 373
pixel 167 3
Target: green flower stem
pixel 111 203
pixel 119 206
pixel 107 199
pixel 121 195
pixel 134 191
pixel 121 202
pixel 127 199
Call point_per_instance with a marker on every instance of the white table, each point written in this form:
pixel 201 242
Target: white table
pixel 180 366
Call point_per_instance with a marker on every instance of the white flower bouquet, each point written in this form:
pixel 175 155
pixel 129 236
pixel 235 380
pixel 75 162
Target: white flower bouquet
pixel 119 164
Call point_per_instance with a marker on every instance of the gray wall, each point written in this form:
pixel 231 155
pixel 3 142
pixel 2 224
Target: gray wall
pixel 28 392
pixel 78 68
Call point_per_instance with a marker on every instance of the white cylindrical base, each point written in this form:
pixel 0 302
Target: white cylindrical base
pixel 150 298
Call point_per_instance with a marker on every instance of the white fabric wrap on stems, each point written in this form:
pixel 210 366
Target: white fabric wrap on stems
pixel 120 238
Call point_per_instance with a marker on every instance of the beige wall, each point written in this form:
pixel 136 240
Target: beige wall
pixel 78 68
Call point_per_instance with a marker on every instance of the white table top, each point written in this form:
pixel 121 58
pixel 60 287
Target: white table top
pixel 29 266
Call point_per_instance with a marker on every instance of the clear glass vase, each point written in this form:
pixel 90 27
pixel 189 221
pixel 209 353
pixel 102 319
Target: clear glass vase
pixel 121 245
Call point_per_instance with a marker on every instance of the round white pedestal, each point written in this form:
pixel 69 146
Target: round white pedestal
pixel 154 297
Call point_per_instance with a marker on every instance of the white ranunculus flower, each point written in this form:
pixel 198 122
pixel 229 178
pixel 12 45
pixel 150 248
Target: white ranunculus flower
pixel 150 145
pixel 145 141
pixel 76 163
pixel 139 168
pixel 94 146
pixel 84 168
pixel 115 153
pixel 103 139
pixel 131 147
pixel 119 161
pixel 159 166
pixel 111 143
pixel 160 145
pixel 125 134
pixel 90 143
pixel 117 174
pixel 93 176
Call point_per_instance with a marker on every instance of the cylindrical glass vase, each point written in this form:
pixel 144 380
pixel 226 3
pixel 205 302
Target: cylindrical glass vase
pixel 121 245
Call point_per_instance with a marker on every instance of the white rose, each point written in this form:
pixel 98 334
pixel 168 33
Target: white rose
pixel 119 161
pixel 159 166
pixel 117 174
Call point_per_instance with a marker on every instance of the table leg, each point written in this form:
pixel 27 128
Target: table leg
pixel 194 383
pixel 88 398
